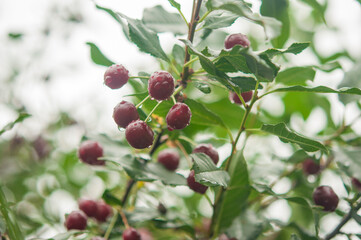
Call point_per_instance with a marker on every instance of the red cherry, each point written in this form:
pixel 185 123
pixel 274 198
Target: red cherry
pixel 89 207
pixel 76 220
pixel 131 234
pixel 139 135
pixel 103 211
pixel 195 186
pixel 209 150
pixel 116 76
pixel 247 96
pixel 124 113
pixel 90 151
pixel 161 85
pixel 325 197
pixel 178 117
pixel 236 39
pixel 310 167
pixel 169 159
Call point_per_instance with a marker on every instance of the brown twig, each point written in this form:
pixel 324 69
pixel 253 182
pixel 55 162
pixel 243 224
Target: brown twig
pixel 191 30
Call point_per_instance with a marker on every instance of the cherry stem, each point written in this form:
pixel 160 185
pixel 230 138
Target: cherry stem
pixel 209 200
pixel 184 153
pixel 124 218
pixel 151 112
pixel 140 104
pixel 111 225
pixel 213 230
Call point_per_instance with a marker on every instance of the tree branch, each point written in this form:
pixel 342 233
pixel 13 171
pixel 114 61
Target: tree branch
pixel 191 29
pixel 344 220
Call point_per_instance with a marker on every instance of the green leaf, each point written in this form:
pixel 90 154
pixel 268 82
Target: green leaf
pixel 22 116
pixel 296 76
pixel 117 18
pixel 271 26
pixel 146 39
pixel 139 170
pixel 206 63
pixel 207 173
pixel 349 161
pixel 217 20
pixel 278 9
pixel 159 20
pixel 97 56
pixel 351 79
pixel 109 198
pixel 203 116
pixel 295 48
pixel 245 84
pixel 175 4
pixel 294 237
pixel 235 197
pixel 356 217
pixel 12 225
pixel 288 136
pixel 178 54
pixel 319 9
pixel 319 89
pixel 201 86
pixel 243 60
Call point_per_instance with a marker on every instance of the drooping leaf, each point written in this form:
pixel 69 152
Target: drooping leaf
pixel 348 161
pixel 22 116
pixel 207 173
pixel 110 199
pixel 217 20
pixel 271 26
pixel 236 195
pixel 245 84
pixel 178 54
pixel 295 48
pixel 318 8
pixel 203 116
pixel 146 39
pixel 351 79
pixel 296 76
pixel 288 136
pixel 278 9
pixel 117 18
pixel 175 4
pixel 142 171
pixel 201 86
pixel 319 89
pixel 243 60
pixel 159 20
pixel 97 56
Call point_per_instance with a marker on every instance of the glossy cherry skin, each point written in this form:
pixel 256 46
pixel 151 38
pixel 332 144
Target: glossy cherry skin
pixel 195 186
pixel 209 150
pixel 103 211
pixel 356 183
pixel 178 117
pixel 90 151
pixel 236 39
pixel 139 135
pixel 76 220
pixel 124 113
pixel 310 167
pixel 116 76
pixel 131 234
pixel 247 96
pixel 88 206
pixel 325 197
pixel 169 159
pixel 161 85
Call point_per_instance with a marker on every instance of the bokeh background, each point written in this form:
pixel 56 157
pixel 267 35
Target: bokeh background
pixel 47 71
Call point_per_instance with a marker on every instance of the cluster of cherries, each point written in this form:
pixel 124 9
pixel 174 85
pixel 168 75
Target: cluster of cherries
pixel 98 210
pixel 161 86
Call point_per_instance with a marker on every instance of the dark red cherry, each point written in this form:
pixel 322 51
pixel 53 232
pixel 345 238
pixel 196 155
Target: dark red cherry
pixel 178 117
pixel 76 220
pixel 124 113
pixel 169 159
pixel 236 39
pixel 90 151
pixel 209 150
pixel 325 197
pixel 88 206
pixel 131 234
pixel 116 76
pixel 161 85
pixel 139 135
pixel 195 186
